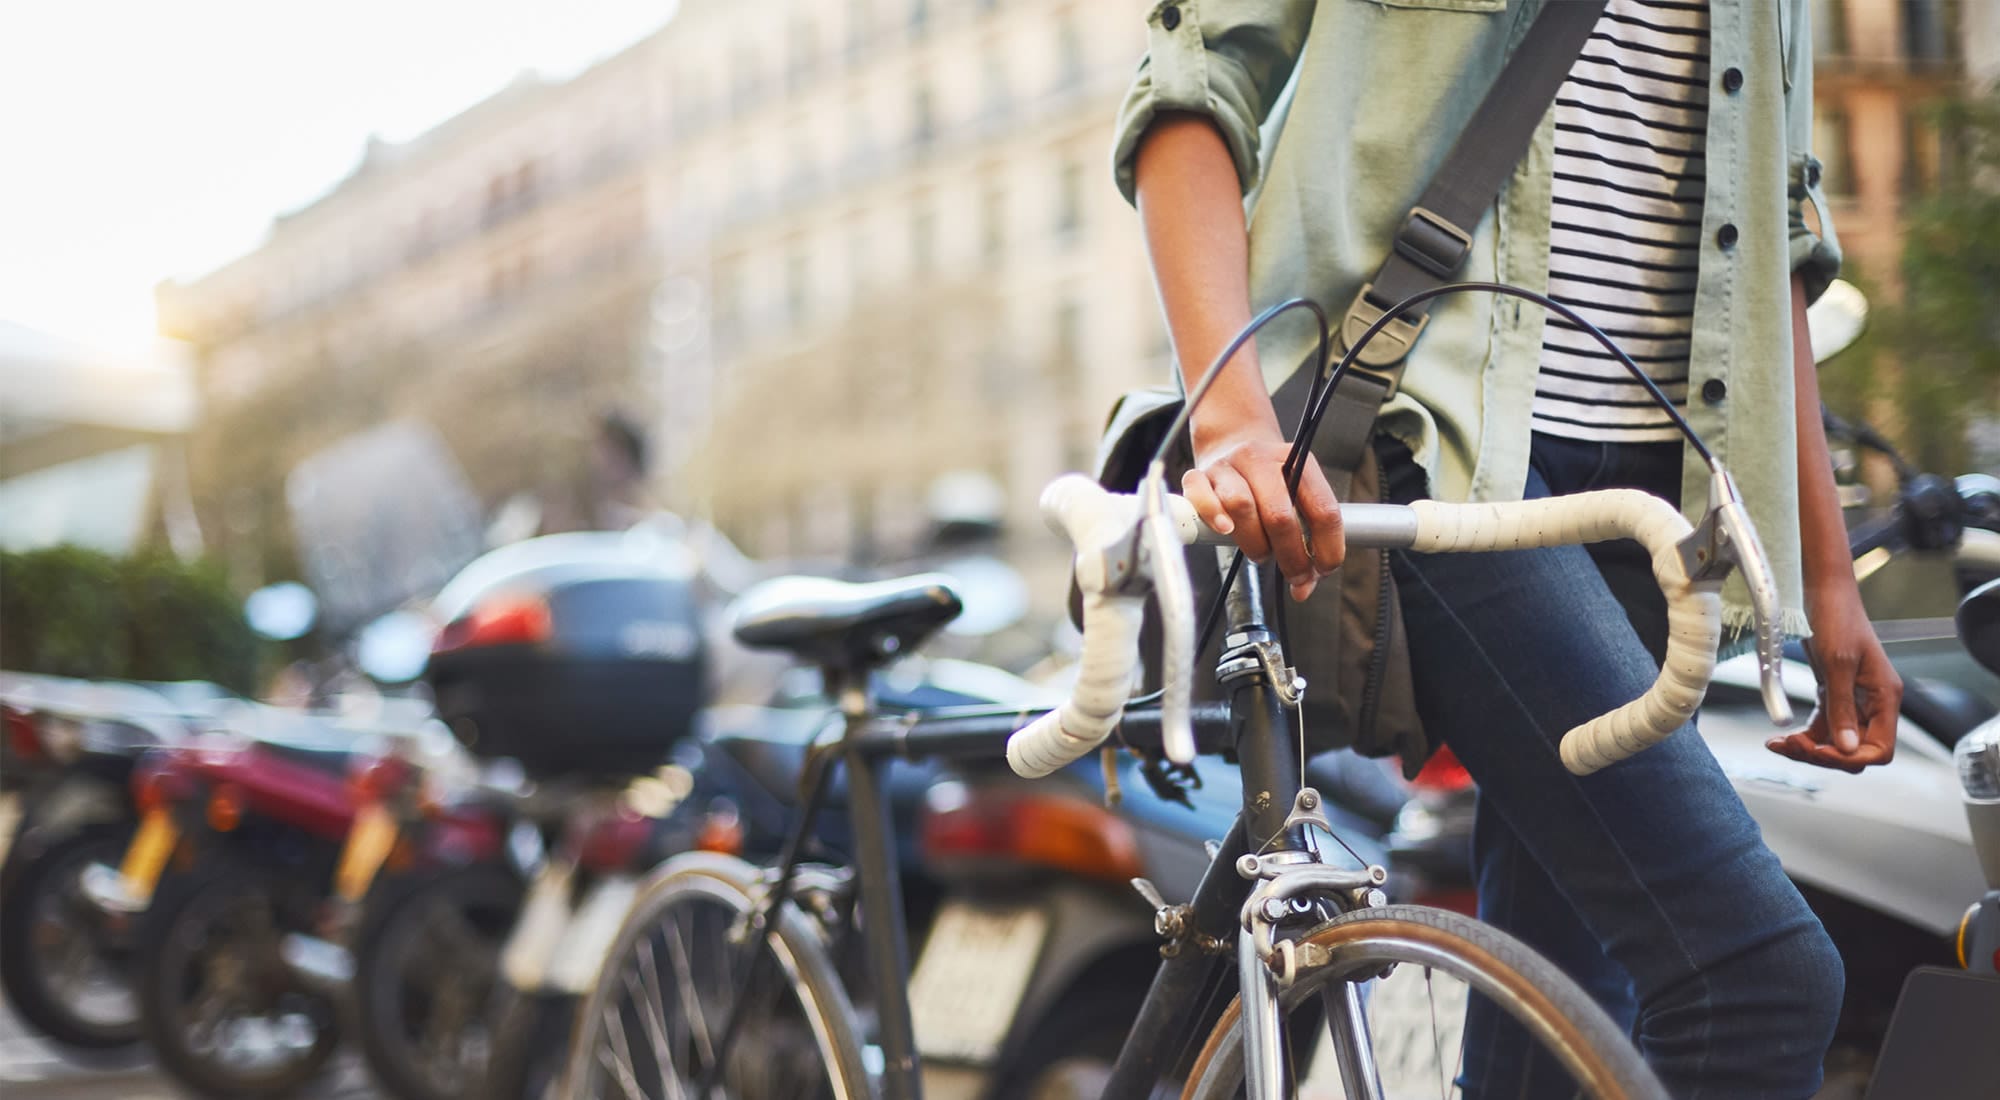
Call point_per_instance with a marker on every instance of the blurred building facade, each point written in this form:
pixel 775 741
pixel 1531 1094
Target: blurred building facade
pixel 900 216
pixel 1881 68
pixel 491 279
pixel 825 252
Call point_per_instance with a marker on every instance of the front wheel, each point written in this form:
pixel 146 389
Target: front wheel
pixel 1440 957
pixel 682 966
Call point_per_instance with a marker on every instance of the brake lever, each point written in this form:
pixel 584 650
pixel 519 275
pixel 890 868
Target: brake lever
pixel 1162 559
pixel 1725 539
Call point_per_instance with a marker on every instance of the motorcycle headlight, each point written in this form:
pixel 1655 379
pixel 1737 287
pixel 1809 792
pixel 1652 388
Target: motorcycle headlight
pixel 1978 758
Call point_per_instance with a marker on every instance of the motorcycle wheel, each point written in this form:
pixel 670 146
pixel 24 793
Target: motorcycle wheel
pixel 530 1043
pixel 223 1012
pixel 65 965
pixel 427 963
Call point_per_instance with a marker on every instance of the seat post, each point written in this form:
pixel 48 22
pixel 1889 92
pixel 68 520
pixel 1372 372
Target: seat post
pixel 881 885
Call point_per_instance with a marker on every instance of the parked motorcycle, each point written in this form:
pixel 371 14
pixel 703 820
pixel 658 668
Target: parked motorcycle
pixel 70 747
pixel 240 880
pixel 1939 1042
pixel 577 661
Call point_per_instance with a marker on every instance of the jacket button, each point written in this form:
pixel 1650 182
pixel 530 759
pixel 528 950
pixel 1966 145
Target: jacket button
pixel 1732 80
pixel 1726 236
pixel 1714 390
pixel 1170 16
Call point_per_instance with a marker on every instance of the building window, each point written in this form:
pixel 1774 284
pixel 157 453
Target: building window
pixel 923 115
pixel 798 286
pixel 1069 200
pixel 993 222
pixel 1066 349
pixel 802 55
pixel 858 270
pixel 923 239
pixel 994 70
pixel 858 12
pixel 743 78
pixel 1830 145
pixel 1926 37
pixel 1829 28
pixel 729 304
pixel 1069 52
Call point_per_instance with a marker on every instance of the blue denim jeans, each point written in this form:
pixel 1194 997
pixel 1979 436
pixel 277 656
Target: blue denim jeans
pixel 1647 882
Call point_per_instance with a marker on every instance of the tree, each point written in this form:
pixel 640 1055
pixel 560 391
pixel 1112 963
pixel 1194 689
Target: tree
pixel 1933 354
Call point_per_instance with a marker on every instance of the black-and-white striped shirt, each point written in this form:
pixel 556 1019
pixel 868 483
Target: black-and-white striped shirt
pixel 1626 221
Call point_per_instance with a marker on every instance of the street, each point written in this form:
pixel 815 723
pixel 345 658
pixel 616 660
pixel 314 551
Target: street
pixel 32 1070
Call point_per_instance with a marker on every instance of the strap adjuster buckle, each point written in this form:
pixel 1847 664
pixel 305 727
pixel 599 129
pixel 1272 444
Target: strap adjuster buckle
pixel 1433 243
pixel 1387 348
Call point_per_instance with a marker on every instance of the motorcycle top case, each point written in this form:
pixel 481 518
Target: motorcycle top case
pixel 578 654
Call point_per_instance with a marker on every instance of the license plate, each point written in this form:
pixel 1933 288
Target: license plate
pixel 971 978
pixel 369 841
pixel 147 856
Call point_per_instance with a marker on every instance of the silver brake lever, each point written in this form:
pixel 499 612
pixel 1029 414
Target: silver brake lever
pixel 1724 540
pixel 1163 559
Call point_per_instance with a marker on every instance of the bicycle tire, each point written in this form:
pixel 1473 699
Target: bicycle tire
pixel 1554 1010
pixel 805 966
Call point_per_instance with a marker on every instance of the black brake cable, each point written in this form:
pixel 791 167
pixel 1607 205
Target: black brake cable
pixel 1321 393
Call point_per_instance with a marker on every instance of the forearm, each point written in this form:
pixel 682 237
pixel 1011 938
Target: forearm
pixel 1828 564
pixel 1191 211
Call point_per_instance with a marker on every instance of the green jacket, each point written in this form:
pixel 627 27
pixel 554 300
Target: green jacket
pixel 1381 90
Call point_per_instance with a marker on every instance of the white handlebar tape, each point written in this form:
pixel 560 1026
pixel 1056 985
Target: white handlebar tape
pixel 1694 611
pixel 1092 519
pixel 1103 683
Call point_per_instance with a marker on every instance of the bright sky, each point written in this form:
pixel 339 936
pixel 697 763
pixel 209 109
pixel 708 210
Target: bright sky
pixel 142 139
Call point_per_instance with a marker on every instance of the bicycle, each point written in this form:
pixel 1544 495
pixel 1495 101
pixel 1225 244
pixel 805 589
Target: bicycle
pixel 715 948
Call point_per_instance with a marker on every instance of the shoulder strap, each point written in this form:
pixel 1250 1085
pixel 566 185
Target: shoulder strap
pixel 1436 236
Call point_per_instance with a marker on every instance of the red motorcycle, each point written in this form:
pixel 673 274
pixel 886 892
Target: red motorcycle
pixel 247 877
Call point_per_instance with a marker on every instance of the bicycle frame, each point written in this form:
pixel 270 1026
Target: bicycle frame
pixel 1256 724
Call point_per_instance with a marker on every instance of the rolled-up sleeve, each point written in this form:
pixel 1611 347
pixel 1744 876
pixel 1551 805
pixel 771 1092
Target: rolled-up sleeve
pixel 1815 255
pixel 1227 59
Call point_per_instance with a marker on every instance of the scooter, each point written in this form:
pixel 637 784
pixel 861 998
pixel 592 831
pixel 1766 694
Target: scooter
pixel 1939 1042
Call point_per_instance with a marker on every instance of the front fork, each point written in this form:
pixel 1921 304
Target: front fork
pixel 1290 886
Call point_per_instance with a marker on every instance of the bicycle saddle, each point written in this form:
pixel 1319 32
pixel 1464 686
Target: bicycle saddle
pixel 847 625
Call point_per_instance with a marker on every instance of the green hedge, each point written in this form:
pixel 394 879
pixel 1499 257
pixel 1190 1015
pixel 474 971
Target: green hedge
pixel 67 611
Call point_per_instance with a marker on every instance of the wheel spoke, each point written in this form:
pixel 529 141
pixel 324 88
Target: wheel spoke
pixel 656 1032
pixel 1437 1045
pixel 690 1003
pixel 621 1067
